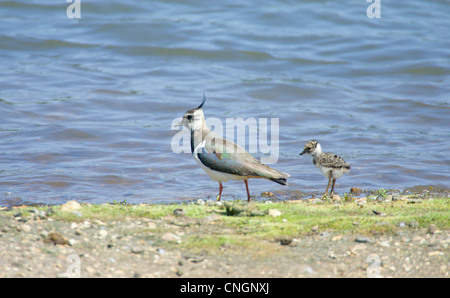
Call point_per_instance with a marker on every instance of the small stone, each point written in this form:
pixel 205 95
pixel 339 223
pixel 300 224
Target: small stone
pixel 435 253
pixel 396 197
pixel 308 270
pixel 70 206
pixel 26 228
pixel 384 244
pixel 324 234
pixel 99 222
pixel 431 229
pixel 315 229
pixel 331 255
pixel 362 239
pixel 413 224
pixel 77 213
pixel 336 198
pixel 179 212
pixel 102 234
pixel 171 237
pixel 285 240
pixel 72 242
pixel 179 272
pixel 354 249
pixel 210 202
pixel 137 250
pixel 355 191
pixel 274 212
pixel 376 212
pixel 268 194
pixel 200 202
pixel 56 238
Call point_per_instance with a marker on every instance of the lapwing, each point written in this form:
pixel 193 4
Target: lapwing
pixel 222 159
pixel 331 165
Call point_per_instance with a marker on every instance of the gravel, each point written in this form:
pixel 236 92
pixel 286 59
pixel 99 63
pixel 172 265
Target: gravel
pixel 39 246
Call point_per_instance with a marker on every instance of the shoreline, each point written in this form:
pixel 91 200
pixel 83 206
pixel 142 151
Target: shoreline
pixel 383 235
pixel 278 195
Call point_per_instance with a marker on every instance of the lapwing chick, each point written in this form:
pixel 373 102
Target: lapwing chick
pixel 331 165
pixel 223 159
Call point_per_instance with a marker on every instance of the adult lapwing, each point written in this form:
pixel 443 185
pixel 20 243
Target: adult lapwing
pixel 331 165
pixel 222 159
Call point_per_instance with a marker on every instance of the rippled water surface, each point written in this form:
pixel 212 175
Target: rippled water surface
pixel 86 105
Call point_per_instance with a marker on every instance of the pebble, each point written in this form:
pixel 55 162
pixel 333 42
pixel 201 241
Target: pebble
pixel 200 202
pixel 336 198
pixel 431 229
pixel 324 234
pixel 413 224
pixel 56 238
pixel 384 244
pixel 102 233
pixel 77 213
pixel 362 239
pixel 209 203
pixel 308 270
pixel 274 212
pixel 396 197
pixel 70 206
pixel 355 191
pixel 171 237
pixel 179 212
pixel 268 194
pixel 26 228
pixel 137 250
pixel 285 240
pixel 435 253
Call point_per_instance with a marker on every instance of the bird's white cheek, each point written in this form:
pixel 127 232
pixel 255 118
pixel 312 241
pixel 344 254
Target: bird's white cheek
pixel 196 124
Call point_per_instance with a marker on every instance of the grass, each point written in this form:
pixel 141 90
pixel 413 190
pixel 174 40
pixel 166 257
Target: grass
pixel 296 220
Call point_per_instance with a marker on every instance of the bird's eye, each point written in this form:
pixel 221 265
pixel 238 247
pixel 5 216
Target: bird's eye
pixel 189 117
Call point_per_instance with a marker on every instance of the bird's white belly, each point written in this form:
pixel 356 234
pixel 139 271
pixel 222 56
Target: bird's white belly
pixel 217 176
pixel 335 173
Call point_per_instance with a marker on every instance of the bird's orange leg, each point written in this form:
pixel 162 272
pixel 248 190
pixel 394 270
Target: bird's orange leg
pixel 248 193
pixel 220 191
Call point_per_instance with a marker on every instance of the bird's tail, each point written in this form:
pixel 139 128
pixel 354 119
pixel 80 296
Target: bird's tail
pixel 281 181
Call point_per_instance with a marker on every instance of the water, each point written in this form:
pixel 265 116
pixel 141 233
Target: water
pixel 86 104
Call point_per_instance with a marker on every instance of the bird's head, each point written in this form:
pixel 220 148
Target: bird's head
pixel 194 118
pixel 312 147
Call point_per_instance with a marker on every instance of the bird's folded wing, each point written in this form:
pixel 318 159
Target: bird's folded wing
pixel 226 156
pixel 330 160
